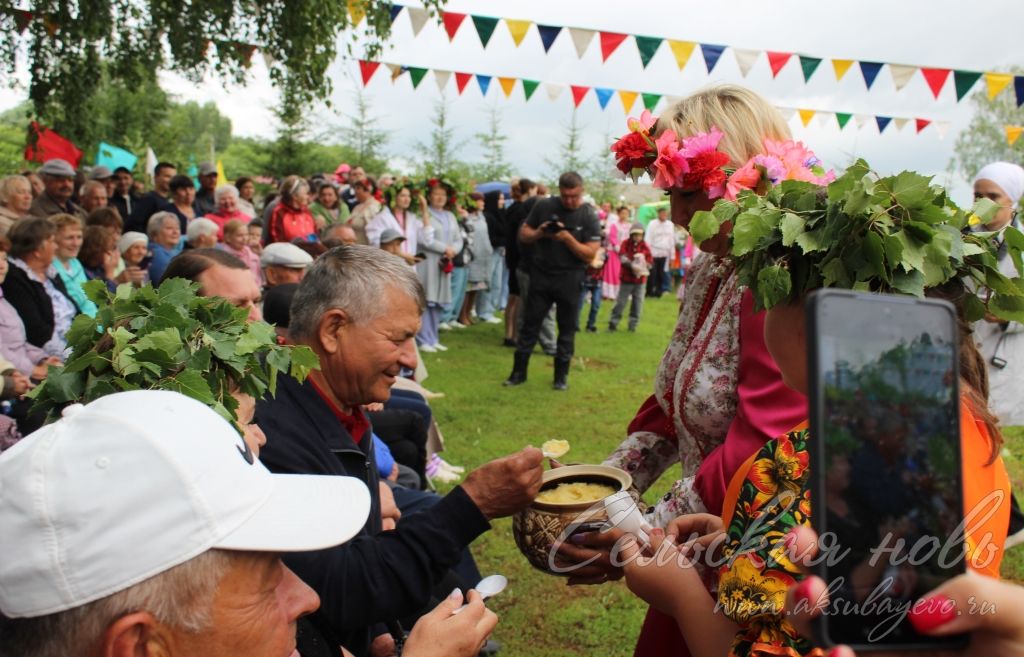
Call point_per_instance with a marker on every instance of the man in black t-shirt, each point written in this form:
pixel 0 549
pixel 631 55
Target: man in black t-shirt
pixel 565 235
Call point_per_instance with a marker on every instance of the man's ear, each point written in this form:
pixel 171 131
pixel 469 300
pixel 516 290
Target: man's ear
pixel 134 635
pixel 329 331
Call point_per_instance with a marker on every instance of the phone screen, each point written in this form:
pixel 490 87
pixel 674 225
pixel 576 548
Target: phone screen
pixel 886 447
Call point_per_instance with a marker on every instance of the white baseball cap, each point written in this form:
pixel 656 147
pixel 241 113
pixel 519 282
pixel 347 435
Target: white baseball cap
pixel 136 483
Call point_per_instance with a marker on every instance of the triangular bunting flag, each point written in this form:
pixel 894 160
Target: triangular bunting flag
pixel 367 69
pixel 1018 88
pixel 396 70
pixel 1013 133
pixel 996 83
pixel 711 55
pixel 921 124
pixel 825 118
pixel 529 86
pixel 268 59
pixel 651 101
pixel 842 118
pixel 941 127
pixel 883 123
pixel 395 11
pixel 417 18
pixel 870 71
pixel 682 51
pixel 863 120
pixel 787 113
pixel 776 60
pixel 900 124
pixel 485 82
pixel 548 34
pixel 647 46
pixel 485 28
pixel 554 90
pixel 806 115
pixel 416 74
pixel 581 39
pixel 578 93
pixel 356 11
pixel 901 75
pixel 841 66
pixel 461 80
pixel 21 19
pixel 610 41
pixel 452 23
pixel 517 29
pixel 442 77
pixel 603 96
pixel 745 59
pixel 809 65
pixel 936 79
pixel 628 99
pixel 964 80
pixel 507 85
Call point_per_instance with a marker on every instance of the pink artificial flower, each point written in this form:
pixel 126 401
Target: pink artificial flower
pixel 796 159
pixel 772 167
pixel 670 166
pixel 747 176
pixel 701 143
pixel 643 124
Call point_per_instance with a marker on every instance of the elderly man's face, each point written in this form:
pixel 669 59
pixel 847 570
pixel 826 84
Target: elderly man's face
pixel 368 357
pixel 238 286
pixel 255 610
pixel 94 198
pixel 277 275
pixel 59 188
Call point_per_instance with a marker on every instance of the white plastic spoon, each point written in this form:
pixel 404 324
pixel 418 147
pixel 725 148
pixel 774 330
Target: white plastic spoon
pixel 488 587
pixel 624 514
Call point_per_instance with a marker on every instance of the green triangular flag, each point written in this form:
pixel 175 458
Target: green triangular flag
pixel 485 27
pixel 843 119
pixel 647 47
pixel 964 80
pixel 417 75
pixel 809 65
pixel 651 100
pixel 529 86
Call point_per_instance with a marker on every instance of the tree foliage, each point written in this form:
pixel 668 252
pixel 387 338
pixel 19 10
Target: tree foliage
pixel 494 165
pixel 570 155
pixel 984 140
pixel 63 45
pixel 438 154
pixel 363 134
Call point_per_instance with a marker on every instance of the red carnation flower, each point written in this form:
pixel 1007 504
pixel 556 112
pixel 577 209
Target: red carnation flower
pixel 706 170
pixel 633 152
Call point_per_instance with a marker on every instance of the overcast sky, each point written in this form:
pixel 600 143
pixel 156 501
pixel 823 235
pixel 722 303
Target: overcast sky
pixel 984 35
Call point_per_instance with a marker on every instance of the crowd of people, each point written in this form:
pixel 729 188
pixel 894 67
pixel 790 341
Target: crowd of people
pixel 368 273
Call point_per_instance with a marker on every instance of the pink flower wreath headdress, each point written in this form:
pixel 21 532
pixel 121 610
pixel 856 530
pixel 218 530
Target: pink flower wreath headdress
pixel 696 162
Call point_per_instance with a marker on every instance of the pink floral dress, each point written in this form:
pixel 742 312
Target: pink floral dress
pixel 612 277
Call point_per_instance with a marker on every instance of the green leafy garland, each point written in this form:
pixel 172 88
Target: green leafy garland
pixel 897 234
pixel 169 338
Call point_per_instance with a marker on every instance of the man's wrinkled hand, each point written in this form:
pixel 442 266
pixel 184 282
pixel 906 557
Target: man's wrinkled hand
pixel 506 485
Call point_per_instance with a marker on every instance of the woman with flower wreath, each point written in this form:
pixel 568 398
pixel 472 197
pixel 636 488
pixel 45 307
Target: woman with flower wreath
pixel 718 396
pixel 769 496
pixel 440 241
pixel 398 215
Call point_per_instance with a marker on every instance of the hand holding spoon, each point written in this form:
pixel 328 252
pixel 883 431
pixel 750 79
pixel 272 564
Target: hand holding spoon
pixel 488 587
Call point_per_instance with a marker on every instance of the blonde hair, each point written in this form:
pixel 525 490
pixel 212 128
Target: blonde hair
pixel 7 186
pixel 234 226
pixel 746 118
pixel 62 221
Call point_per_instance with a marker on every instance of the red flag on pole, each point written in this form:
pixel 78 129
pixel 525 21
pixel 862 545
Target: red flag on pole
pixel 367 69
pixel 461 80
pixel 578 93
pixel 45 144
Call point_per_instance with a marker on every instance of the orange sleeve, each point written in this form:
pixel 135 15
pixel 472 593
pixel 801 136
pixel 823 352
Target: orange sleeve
pixel 982 484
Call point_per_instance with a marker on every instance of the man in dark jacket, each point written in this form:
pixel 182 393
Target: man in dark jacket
pixel 360 312
pixel 58 188
pixel 154 201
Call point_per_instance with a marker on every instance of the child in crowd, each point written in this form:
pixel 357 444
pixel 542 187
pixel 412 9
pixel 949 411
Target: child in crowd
pixel 636 259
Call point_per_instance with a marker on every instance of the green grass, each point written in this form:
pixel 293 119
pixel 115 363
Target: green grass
pixel 611 376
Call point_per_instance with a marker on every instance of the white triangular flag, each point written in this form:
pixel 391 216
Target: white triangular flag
pixel 826 119
pixel 554 90
pixel 745 58
pixel 941 127
pixel 418 17
pixel 396 70
pixel 670 101
pixel 787 113
pixel 442 77
pixel 901 74
pixel 151 162
pixel 581 39
pixel 863 119
pixel 268 59
pixel 900 123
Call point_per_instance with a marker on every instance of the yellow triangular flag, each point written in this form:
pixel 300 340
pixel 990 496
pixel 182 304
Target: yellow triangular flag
pixel 841 66
pixel 1013 133
pixel 357 11
pixel 628 99
pixel 996 83
pixel 221 178
pixel 806 115
pixel 518 29
pixel 682 50
pixel 507 85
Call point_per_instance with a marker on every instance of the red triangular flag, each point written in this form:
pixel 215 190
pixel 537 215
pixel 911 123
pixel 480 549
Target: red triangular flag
pixel 609 42
pixel 777 60
pixel 452 21
pixel 578 93
pixel 461 80
pixel 936 79
pixel 367 69
pixel 922 124
pixel 49 145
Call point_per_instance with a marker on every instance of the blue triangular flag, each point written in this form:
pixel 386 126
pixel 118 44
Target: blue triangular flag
pixel 1018 86
pixel 113 157
pixel 870 71
pixel 603 96
pixel 484 81
pixel 711 54
pixel 395 11
pixel 548 34
pixel 883 122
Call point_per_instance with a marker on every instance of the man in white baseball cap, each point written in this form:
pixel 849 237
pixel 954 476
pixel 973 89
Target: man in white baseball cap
pixel 142 524
pixel 283 262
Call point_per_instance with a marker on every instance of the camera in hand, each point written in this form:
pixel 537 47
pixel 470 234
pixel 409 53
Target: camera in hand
pixel 552 226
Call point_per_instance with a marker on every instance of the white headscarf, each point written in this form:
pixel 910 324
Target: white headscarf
pixel 1009 177
pixel 129 239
